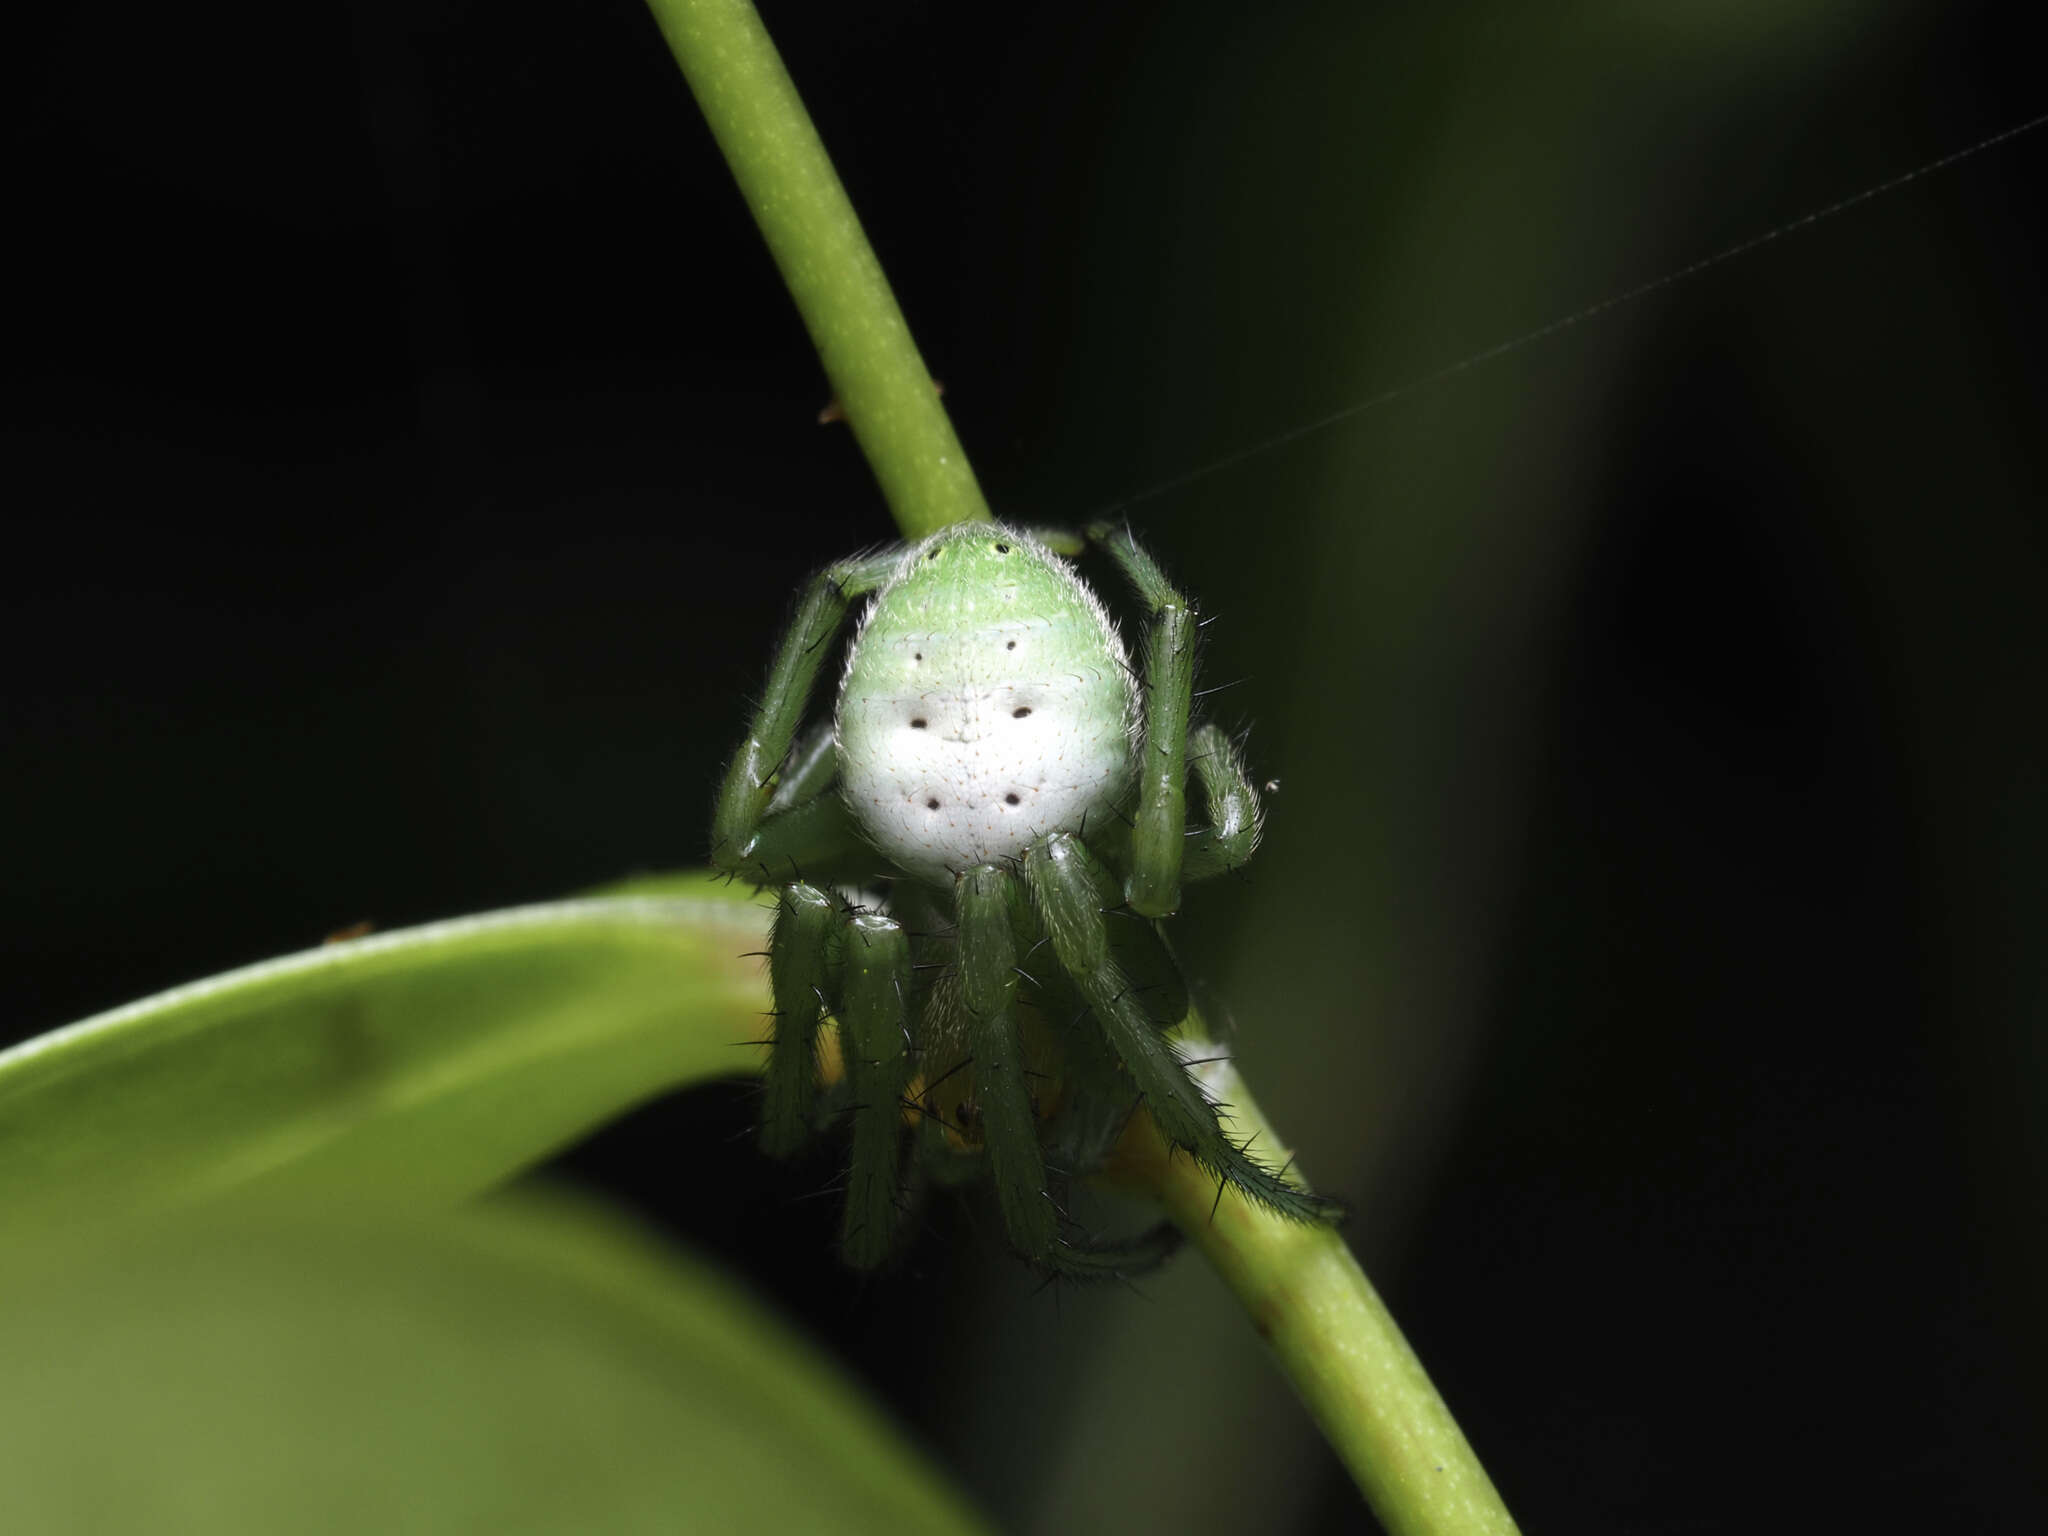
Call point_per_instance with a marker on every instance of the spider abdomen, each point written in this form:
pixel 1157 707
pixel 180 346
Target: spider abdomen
pixel 986 703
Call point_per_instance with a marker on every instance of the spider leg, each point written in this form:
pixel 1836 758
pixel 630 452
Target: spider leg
pixel 988 989
pixel 816 841
pixel 1117 1258
pixel 872 1016
pixel 1226 843
pixel 749 791
pixel 1151 976
pixel 1068 883
pixel 805 920
pixel 1156 837
pixel 812 768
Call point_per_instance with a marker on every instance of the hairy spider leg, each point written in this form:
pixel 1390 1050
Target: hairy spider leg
pixel 812 769
pixel 1153 888
pixel 1094 1090
pixel 1117 1259
pixel 873 1015
pixel 1067 882
pixel 807 831
pixel 749 787
pixel 994 918
pixel 1009 1126
pixel 817 841
pixel 806 920
pixel 1226 843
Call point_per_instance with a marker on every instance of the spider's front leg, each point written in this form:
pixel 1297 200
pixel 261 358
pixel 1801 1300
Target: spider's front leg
pixel 1165 851
pixel 1153 888
pixel 748 804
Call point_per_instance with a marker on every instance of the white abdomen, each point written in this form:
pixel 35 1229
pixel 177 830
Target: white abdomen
pixel 986 703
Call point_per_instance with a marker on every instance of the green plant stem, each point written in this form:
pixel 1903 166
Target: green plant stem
pixel 1326 1327
pixel 1304 1292
pixel 812 231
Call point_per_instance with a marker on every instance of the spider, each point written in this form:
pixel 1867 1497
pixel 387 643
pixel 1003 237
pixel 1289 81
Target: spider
pixel 996 763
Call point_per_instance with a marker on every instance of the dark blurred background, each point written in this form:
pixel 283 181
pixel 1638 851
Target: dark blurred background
pixel 415 453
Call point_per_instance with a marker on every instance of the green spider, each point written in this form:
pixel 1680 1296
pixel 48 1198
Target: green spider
pixel 995 762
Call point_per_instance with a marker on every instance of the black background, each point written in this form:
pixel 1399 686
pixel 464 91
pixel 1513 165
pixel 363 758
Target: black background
pixel 414 452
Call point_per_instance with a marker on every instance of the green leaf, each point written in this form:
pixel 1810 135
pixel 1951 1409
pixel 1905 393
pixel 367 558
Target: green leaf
pixel 511 1367
pixel 406 1069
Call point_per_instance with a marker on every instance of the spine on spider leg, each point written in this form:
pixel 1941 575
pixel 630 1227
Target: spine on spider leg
pixel 1063 879
pixel 988 991
pixel 797 979
pixel 878 1068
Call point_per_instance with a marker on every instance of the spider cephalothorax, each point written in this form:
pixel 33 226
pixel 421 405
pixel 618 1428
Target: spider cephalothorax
pixel 998 767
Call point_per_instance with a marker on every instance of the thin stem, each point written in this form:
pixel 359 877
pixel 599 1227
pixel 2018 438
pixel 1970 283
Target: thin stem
pixel 1303 1290
pixel 1327 1328
pixel 816 239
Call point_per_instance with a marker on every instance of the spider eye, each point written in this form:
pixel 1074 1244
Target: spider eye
pixel 1002 549
pixel 917 725
pixel 1010 800
pixel 1020 713
pixel 931 805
